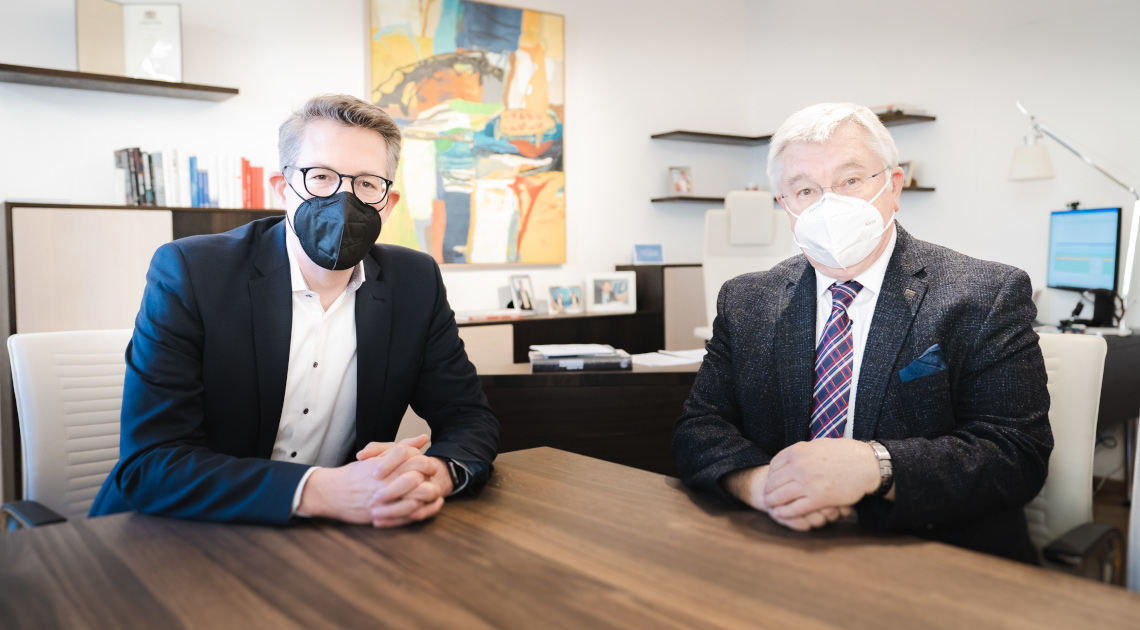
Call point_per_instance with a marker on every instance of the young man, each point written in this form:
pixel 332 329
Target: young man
pixel 267 359
pixel 926 357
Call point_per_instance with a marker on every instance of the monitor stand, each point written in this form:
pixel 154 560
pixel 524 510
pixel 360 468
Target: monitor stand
pixel 1104 309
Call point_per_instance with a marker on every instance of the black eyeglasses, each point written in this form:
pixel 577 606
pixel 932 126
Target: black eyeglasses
pixel 325 182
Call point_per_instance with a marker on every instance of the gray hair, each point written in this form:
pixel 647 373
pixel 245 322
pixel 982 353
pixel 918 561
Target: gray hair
pixel 818 123
pixel 342 108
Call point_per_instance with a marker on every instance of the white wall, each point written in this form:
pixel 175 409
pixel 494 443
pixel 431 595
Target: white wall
pixel 1071 62
pixel 634 68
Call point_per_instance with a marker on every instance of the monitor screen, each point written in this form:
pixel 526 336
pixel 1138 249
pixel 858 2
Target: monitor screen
pixel 1083 247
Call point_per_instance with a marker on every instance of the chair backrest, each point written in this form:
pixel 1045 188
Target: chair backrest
pixel 69 391
pixel 748 235
pixel 1075 365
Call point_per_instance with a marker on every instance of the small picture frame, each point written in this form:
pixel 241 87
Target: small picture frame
pixel 908 173
pixel 649 254
pixel 680 181
pixel 522 293
pixel 614 292
pixel 566 300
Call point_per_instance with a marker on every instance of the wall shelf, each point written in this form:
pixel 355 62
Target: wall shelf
pixel 721 199
pixel 111 83
pixel 890 119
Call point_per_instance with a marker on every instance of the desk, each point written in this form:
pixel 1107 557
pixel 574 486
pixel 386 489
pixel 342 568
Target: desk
pixel 556 541
pixel 621 417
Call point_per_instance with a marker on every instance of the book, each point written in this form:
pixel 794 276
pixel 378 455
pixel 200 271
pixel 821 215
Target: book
pixel 158 178
pixel 619 360
pixel 195 186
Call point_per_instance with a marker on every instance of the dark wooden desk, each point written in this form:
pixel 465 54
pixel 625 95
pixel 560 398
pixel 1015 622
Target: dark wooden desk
pixel 556 541
pixel 621 417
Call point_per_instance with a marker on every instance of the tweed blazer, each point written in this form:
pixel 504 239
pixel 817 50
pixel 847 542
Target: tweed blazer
pixel 969 443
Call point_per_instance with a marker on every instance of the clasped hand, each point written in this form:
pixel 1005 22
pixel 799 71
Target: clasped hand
pixel 391 484
pixel 809 484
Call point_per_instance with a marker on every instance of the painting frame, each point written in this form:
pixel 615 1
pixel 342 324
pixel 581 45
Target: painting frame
pixel 522 292
pixel 623 287
pixel 492 216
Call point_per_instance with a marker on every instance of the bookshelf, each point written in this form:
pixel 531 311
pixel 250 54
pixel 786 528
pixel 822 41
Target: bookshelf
pixel 889 119
pixel 721 199
pixel 111 83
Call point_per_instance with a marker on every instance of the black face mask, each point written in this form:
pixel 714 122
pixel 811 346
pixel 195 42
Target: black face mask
pixel 336 232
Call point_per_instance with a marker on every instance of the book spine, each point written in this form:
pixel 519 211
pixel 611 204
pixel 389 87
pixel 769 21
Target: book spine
pixel 122 178
pixel 148 179
pixel 137 173
pixel 186 194
pixel 246 185
pixel 205 182
pixel 213 181
pixel 194 186
pixel 158 177
pixel 257 175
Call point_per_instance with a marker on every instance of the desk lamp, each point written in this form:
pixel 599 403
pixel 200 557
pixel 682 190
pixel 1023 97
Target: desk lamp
pixel 1031 161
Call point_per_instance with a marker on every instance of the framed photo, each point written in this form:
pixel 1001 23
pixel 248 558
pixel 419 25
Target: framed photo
pixel 614 292
pixel 680 181
pixel 522 293
pixel 908 173
pixel 565 300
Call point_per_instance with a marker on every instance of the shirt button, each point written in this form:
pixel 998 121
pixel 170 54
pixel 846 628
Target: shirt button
pixel 293 454
pixel 314 364
pixel 306 410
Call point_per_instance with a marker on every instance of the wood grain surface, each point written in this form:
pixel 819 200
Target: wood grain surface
pixel 556 541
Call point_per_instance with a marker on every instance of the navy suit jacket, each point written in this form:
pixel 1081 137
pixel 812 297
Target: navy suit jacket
pixel 206 368
pixel 968 434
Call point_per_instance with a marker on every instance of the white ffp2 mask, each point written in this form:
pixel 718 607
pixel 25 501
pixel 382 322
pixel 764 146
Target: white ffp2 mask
pixel 839 231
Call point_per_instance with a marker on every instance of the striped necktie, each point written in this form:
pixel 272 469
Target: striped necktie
pixel 833 362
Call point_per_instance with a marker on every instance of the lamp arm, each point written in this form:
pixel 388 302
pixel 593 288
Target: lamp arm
pixel 1045 130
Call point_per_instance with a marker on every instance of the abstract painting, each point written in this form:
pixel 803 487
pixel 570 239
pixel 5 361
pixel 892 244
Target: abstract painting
pixel 477 90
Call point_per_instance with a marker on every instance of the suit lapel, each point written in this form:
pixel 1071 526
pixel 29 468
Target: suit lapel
pixel 272 303
pixel 795 353
pixel 373 338
pixel 904 287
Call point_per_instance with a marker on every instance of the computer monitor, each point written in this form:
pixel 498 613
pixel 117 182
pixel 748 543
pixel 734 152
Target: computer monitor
pixel 1084 247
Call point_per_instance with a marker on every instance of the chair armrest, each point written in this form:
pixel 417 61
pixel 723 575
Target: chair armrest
pixel 20 514
pixel 1092 550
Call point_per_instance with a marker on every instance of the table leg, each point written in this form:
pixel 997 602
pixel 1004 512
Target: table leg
pixel 1129 458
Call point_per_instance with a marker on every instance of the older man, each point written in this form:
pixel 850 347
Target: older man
pixel 877 372
pixel 270 366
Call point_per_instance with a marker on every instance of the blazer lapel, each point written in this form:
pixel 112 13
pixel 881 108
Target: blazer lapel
pixel 904 287
pixel 795 354
pixel 373 339
pixel 272 303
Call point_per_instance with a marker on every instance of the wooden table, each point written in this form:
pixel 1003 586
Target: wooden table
pixel 556 541
pixel 621 417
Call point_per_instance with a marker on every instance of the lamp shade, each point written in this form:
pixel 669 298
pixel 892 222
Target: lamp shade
pixel 1031 162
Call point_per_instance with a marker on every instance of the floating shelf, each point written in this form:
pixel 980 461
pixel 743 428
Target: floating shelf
pixel 712 138
pixel 721 199
pixel 688 199
pixel 111 83
pixel 890 119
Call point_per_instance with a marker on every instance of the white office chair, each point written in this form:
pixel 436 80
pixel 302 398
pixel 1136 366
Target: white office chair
pixel 748 235
pixel 1060 517
pixel 69 391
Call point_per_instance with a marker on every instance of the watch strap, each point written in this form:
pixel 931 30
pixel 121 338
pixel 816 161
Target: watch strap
pixel 886 472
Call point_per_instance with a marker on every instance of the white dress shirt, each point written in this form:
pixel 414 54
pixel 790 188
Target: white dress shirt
pixel 860 312
pixel 318 417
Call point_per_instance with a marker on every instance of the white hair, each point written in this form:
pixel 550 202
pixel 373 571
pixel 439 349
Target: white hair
pixel 818 123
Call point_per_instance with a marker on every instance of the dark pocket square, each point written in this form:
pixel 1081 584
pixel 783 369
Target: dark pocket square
pixel 930 362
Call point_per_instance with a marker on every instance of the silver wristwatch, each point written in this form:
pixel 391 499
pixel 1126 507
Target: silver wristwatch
pixel 886 475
